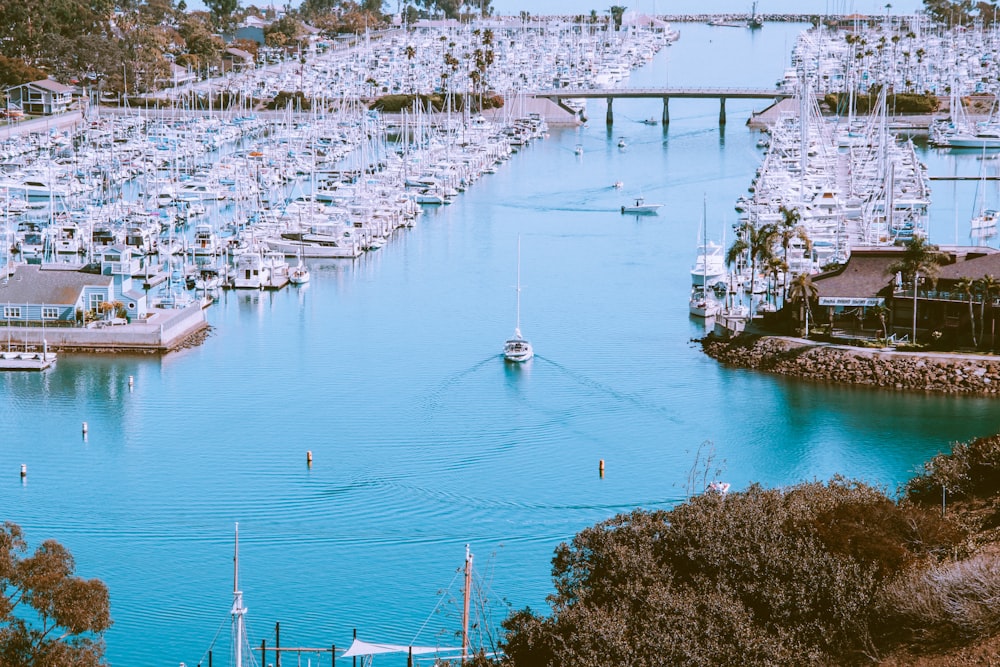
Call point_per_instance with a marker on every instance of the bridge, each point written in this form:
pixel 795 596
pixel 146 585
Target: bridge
pixel 610 94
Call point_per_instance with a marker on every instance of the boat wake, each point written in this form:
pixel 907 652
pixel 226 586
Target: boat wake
pixel 590 383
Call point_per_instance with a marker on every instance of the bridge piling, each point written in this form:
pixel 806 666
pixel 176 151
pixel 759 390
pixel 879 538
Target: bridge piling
pixel 722 111
pixel 666 111
pixel 611 114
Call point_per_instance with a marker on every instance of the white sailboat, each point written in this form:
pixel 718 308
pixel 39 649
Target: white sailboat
pixel 517 348
pixel 299 274
pixel 703 302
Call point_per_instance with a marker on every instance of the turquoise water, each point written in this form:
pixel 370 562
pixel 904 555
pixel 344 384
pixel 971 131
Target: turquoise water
pixel 389 370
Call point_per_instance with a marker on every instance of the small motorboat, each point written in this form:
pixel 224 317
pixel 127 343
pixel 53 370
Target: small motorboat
pixel 641 207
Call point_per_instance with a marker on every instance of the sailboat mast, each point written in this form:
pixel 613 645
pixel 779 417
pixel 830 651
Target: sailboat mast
pixel 517 325
pixel 238 609
pixel 467 594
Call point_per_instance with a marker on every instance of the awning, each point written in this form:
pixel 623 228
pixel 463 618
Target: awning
pixel 359 647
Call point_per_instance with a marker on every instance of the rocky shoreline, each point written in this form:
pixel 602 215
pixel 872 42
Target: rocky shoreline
pixel 947 373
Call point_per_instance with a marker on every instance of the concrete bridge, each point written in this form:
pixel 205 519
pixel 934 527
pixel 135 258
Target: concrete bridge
pixel 610 94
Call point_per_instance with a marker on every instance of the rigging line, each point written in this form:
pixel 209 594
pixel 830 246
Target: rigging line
pixel 440 599
pixel 212 644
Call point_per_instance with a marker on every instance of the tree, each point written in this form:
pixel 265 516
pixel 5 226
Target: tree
pixel 988 287
pixel 756 245
pixel 222 10
pixel 790 229
pixel 616 12
pixel 919 259
pixel 71 613
pixel 966 287
pixel 14 72
pixel 803 292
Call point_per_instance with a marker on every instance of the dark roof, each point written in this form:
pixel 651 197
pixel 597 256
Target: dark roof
pixel 31 283
pixel 51 86
pixel 864 276
pixel 972 268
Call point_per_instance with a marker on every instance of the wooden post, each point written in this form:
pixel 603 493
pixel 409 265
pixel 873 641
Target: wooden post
pixel 277 644
pixel 611 113
pixel 209 659
pixel 263 652
pixel 354 659
pixel 333 655
pixel 666 111
pixel 722 111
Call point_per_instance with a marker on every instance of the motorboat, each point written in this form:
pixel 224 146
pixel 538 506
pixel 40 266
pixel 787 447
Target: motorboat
pixel 640 206
pixel 709 266
pixel 250 272
pixel 206 241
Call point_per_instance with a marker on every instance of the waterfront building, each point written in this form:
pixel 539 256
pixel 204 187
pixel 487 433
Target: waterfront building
pixel 52 294
pixel 45 97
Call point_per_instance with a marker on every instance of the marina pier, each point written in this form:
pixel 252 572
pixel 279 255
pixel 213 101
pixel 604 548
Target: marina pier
pixel 610 94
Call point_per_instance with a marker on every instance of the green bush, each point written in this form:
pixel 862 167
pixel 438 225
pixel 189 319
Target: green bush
pixel 297 100
pixel 897 102
pixel 436 102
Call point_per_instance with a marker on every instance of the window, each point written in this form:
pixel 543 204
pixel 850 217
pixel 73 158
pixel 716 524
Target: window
pixel 12 312
pixel 50 313
pixel 95 302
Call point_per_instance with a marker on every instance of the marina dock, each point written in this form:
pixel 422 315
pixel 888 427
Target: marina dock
pixel 163 331
pixel 26 361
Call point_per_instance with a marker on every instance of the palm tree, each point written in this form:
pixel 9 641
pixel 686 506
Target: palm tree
pixel 788 230
pixel 757 244
pixel 920 259
pixel 967 287
pixel 803 292
pixel 880 312
pixel 616 12
pixel 989 287
pixel 774 267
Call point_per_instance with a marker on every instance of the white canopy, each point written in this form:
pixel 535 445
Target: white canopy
pixel 359 647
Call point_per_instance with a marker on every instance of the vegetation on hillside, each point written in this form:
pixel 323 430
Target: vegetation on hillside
pixel 436 102
pixel 895 102
pixel 836 573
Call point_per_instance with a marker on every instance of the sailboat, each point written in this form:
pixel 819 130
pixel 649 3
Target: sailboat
pixel 299 274
pixel 516 348
pixel 984 222
pixel 703 302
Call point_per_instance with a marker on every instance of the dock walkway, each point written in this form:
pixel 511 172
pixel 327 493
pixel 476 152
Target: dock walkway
pixel 163 331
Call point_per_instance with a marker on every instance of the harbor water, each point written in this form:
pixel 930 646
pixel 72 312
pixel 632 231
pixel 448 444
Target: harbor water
pixel 389 370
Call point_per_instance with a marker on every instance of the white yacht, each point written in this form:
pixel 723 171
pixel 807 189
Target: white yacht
pixel 250 272
pixel 641 207
pixel 206 241
pixel 710 264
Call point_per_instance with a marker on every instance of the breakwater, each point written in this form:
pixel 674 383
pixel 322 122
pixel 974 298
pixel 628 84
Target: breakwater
pixel 948 373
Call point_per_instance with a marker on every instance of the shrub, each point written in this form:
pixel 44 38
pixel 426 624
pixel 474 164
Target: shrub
pixel 943 604
pixel 970 470
pixel 785 576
